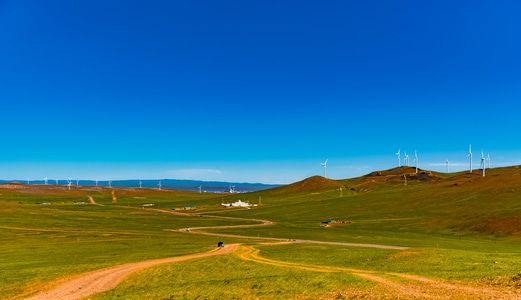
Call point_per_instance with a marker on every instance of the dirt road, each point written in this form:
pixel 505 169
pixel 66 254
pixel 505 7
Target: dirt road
pixel 394 285
pixel 199 230
pixel 105 279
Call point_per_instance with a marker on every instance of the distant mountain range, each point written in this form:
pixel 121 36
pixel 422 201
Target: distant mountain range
pixel 176 184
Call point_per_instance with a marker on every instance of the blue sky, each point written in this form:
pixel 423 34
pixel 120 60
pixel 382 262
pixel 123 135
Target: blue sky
pixel 255 91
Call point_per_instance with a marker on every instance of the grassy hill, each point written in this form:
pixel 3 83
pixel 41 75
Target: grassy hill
pixel 50 232
pixel 388 208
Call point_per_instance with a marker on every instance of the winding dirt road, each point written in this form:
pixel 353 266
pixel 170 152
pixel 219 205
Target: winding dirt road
pixel 396 285
pixel 200 230
pixel 403 286
pixel 105 279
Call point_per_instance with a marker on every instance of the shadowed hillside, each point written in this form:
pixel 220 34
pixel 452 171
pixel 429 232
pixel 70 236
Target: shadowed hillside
pixel 308 185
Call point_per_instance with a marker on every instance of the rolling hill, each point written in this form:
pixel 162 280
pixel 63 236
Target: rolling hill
pixel 456 226
pixel 397 204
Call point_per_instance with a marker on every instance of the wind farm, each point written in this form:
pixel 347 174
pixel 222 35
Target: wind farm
pixel 216 186
pixel 260 150
pixel 418 215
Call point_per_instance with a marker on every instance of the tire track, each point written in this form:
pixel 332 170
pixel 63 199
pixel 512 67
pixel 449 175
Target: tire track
pixel 414 287
pixel 103 280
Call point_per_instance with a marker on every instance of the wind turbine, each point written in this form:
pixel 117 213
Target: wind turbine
pixel 398 154
pixel 159 185
pixel 110 183
pixel 448 166
pixel 200 187
pixel 470 157
pixel 45 179
pixel 140 184
pixel 77 182
pixel 482 162
pixel 96 182
pixel 56 181
pixel 69 183
pixel 325 166
pixel 488 159
pixel 416 160
pixel 406 159
pixel 28 180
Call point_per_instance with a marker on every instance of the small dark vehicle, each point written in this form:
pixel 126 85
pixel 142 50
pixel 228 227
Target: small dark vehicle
pixel 220 244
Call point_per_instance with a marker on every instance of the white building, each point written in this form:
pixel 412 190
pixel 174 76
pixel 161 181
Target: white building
pixel 238 203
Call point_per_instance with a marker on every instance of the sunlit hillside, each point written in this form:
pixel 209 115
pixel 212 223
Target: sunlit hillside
pixel 421 220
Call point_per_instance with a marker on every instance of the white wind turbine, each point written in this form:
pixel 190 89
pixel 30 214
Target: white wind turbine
pixel 28 180
pixel 398 154
pixel 110 183
pixel 200 187
pixel 470 157
pixel 482 162
pixel 448 166
pixel 159 185
pixel 140 184
pixel 488 159
pixel 406 159
pixel 69 183
pixel 416 160
pixel 325 166
pixel 45 180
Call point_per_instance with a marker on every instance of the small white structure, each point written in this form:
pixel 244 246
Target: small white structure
pixel 238 203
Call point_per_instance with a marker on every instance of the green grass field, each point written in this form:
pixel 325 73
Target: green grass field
pixel 461 228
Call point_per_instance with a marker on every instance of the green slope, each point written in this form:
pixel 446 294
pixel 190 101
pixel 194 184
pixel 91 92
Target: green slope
pixel 421 209
pixel 456 212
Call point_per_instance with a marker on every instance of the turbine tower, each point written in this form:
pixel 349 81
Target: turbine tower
pixel 488 159
pixel 325 166
pixel 482 162
pixel 200 187
pixel 398 154
pixel 45 179
pixel 140 184
pixel 406 159
pixel 159 185
pixel 69 183
pixel 470 157
pixel 416 160
pixel 448 166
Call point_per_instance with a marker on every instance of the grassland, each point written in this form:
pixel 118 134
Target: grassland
pixel 462 229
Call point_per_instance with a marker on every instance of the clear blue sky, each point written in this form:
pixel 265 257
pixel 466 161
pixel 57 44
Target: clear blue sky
pixel 255 91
